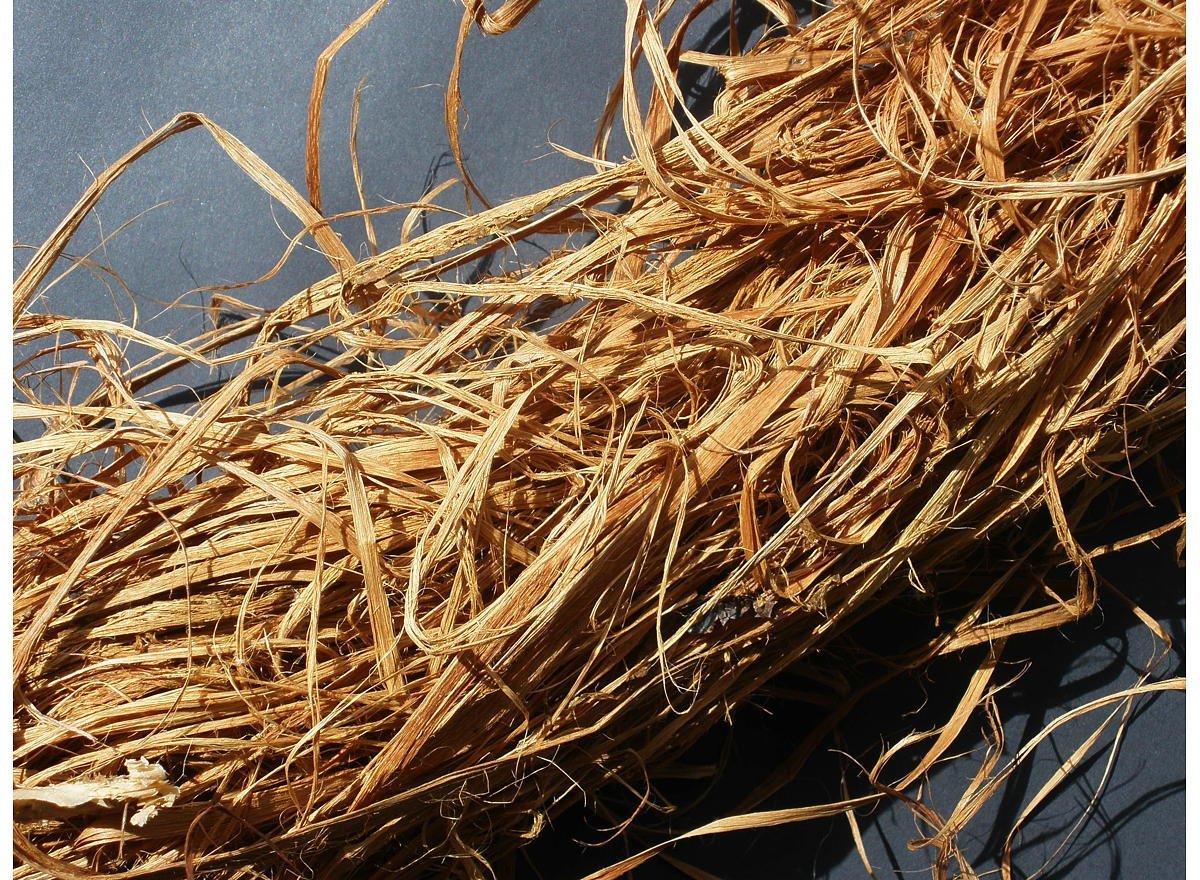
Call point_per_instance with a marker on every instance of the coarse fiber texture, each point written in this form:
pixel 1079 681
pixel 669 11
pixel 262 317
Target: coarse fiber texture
pixel 444 555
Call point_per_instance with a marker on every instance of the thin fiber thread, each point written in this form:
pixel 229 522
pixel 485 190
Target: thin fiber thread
pixel 920 275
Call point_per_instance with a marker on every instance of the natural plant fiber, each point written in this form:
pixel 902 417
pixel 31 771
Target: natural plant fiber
pixel 918 277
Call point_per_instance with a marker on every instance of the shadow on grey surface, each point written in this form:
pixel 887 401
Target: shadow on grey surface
pixel 1140 813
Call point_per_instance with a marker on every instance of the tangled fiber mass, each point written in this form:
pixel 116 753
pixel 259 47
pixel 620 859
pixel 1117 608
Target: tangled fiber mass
pixel 444 555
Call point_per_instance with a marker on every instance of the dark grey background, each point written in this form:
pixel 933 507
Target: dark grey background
pixel 92 79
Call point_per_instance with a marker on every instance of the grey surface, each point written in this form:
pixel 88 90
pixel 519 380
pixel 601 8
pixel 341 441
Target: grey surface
pixel 91 79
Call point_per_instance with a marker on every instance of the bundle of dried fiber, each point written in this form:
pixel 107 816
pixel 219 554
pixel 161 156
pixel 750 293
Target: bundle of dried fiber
pixel 919 276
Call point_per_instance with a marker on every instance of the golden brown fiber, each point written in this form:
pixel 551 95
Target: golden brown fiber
pixel 919 276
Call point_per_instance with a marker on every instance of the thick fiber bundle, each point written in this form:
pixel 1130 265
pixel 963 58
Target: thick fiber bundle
pixel 444 555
